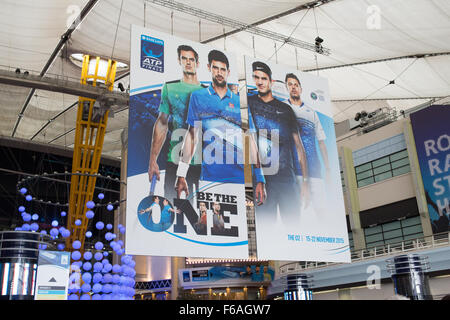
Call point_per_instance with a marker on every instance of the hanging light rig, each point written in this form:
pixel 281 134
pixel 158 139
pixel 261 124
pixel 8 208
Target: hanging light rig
pixel 92 117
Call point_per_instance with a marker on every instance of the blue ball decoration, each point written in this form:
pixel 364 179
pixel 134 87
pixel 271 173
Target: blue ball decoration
pixel 109 226
pixel 122 230
pixel 87 277
pixel 61 246
pixel 76 244
pixel 108 267
pixel 97 278
pixel 117 268
pixel 65 233
pixel 115 289
pixel 86 287
pixel 23 190
pixel 43 232
pixel 97 296
pixel 54 232
pixel 90 214
pixel 28 198
pixel 87 266
pixel 78 222
pixel 35 217
pixel 106 297
pixel 34 226
pixel 88 234
pixel 85 296
pixel 42 246
pixel 26 217
pixel 63 213
pixel 96 288
pixel 76 255
pixel 21 209
pixel 54 223
pixel 87 255
pixel 99 225
pixel 109 207
pixel 98 266
pixel 108 236
pixel 107 278
pixel 99 245
pixel 73 296
pixel 105 253
pixel 90 204
pixel 107 288
pixel 101 196
pixel 98 256
pixel 115 278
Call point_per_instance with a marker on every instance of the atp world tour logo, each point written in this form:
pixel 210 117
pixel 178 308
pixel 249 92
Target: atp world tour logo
pixel 152 53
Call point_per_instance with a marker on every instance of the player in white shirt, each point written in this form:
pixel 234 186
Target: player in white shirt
pixel 310 130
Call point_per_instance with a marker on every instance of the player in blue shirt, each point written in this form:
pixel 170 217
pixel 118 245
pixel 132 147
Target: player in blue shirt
pixel 271 115
pixel 215 113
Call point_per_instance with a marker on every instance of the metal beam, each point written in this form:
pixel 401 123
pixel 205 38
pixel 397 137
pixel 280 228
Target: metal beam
pixel 56 85
pixel 237 25
pixel 305 6
pixel 73 105
pixel 411 56
pixel 64 38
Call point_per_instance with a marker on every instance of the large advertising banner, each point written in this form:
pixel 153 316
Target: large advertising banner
pixel 225 275
pixel 302 216
pixel 431 131
pixel 185 178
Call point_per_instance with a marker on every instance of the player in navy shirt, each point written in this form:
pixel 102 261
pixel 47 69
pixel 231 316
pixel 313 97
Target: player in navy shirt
pixel 215 112
pixel 271 115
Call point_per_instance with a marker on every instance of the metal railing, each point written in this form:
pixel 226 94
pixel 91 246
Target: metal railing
pixel 423 243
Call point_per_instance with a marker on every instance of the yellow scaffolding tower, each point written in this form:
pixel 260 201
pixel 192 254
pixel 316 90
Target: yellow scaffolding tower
pixel 89 136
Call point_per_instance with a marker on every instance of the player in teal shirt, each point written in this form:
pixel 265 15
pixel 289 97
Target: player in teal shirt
pixel 173 110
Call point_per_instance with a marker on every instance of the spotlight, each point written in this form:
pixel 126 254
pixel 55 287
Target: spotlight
pixel 121 87
pixel 26 73
pixel 357 116
pixel 17 70
pixel 363 114
pixel 318 42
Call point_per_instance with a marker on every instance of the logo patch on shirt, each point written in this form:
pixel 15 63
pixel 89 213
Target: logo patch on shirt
pixel 231 105
pixel 152 53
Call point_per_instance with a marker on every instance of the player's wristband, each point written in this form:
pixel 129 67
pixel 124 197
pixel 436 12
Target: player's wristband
pixel 258 174
pixel 182 169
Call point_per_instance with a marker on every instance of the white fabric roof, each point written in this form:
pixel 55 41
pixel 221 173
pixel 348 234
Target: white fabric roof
pixel 30 31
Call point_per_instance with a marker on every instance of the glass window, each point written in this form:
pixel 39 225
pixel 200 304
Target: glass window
pixel 412 230
pixel 374 237
pixel 383 176
pixel 394 240
pixel 399 155
pixel 363 167
pixel 400 163
pixel 392 234
pixel 401 170
pixel 375 244
pixel 380 162
pixel 384 168
pixel 413 236
pixel 410 221
pixel 372 230
pixel 365 182
pixel 363 175
pixel 391 226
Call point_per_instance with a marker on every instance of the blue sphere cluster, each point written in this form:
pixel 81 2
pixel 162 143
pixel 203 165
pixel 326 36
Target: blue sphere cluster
pixel 93 276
